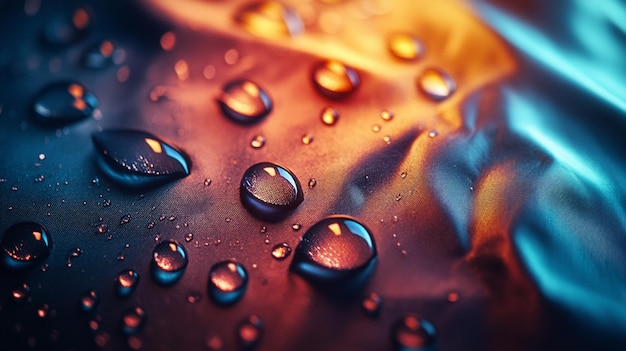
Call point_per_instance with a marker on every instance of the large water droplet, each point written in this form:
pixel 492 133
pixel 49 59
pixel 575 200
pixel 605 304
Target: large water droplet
pixel 329 116
pixel 413 333
pixel 25 244
pixel 436 84
pixel 250 332
pixel 334 249
pixel 281 251
pixel 227 282
pixel 63 103
pixel 102 54
pixel 66 30
pixel 126 282
pixel 244 101
pixel 138 159
pixel 270 191
pixel 270 19
pixel 133 320
pixel 335 80
pixel 89 301
pixel 169 260
pixel 405 47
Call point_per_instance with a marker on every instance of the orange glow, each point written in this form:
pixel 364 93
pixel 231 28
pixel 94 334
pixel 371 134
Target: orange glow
pixel 80 19
pixel 168 41
pixel 270 170
pixel 75 90
pixel 404 46
pixel 37 235
pixel 156 147
pixel 251 89
pixel 335 228
pixel 106 48
pixel 182 70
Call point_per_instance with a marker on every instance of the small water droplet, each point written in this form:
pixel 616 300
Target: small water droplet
pixel 63 103
pixel 100 55
pixel 66 30
pixel 182 70
pixel 433 133
pixel 335 80
pixel 270 19
pixel 413 333
pixel 24 244
pixel 126 282
pixel 376 128
pixel 214 342
pixel 43 310
pixel 296 226
pixel 372 304
pixel 208 72
pixel 101 228
pixel 207 182
pixel 133 320
pixel 106 203
pixel 395 219
pixel 73 253
pixel 436 84
pixel 42 157
pixel 405 47
pixel 269 191
pixel 387 115
pixel 138 159
pixel 334 249
pixel 307 139
pixel 250 332
pixel 398 197
pixel 387 139
pixel 189 237
pixel 312 183
pixel 21 293
pixel 168 41
pixel 281 251
pixel 89 301
pixel 169 260
pixel 227 282
pixel 258 141
pixel 171 218
pixel 231 56
pixel 244 101
pixel 453 296
pixel 403 175
pixel 329 116
pixel 125 219
pixel 39 178
pixel 193 297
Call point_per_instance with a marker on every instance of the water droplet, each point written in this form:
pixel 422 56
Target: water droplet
pixel 66 30
pixel 63 103
pixel 125 219
pixel 25 244
pixel 100 55
pixel 413 333
pixel 269 191
pixel 138 159
pixel 329 116
pixel 312 183
pixel 376 128
pixel 42 157
pixel 433 133
pixel 168 41
pixel 307 139
pixel 231 56
pixel 257 142
pixel 335 80
pixel 133 320
pixel 208 72
pixel 214 342
pixel 403 175
pixel 182 70
pixel 189 237
pixel 436 84
pixel 89 301
pixel 73 253
pixel 270 19
pixel 207 182
pixel 296 226
pixel 169 260
pixel 194 297
pixel 453 296
pixel 281 251
pixel 250 332
pixel 405 47
pixel 398 197
pixel 42 311
pixel 227 282
pixel 372 304
pixel 387 139
pixel 21 293
pixel 263 229
pixel 39 178
pixel 244 101
pixel 101 228
pixel 387 115
pixel 126 282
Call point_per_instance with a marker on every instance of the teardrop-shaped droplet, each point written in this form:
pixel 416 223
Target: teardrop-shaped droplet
pixel 335 80
pixel 66 30
pixel 227 282
pixel 169 260
pixel 413 333
pixel 334 249
pixel 25 244
pixel 138 159
pixel 372 304
pixel 436 84
pixel 100 55
pixel 89 301
pixel 133 320
pixel 244 101
pixel 329 116
pixel 281 251
pixel 405 47
pixel 63 103
pixel 250 332
pixel 126 282
pixel 269 191
pixel 270 19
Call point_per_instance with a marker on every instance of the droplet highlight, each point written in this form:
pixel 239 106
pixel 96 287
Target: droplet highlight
pixel 244 101
pixel 413 333
pixel 169 260
pixel 227 282
pixel 62 103
pixel 269 191
pixel 270 19
pixel 436 84
pixel 335 80
pixel 126 282
pixel 25 244
pixel 89 301
pixel 101 55
pixel 405 47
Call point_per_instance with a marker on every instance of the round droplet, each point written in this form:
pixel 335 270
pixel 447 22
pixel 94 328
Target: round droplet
pixel 244 101
pixel 436 84
pixel 281 251
pixel 89 301
pixel 66 30
pixel 100 55
pixel 335 80
pixel 43 310
pixel 269 191
pixel 433 133
pixel 372 304
pixel 169 260
pixel 296 226
pixel 21 293
pixel 126 282
pixel 376 128
pixel 334 249
pixel 62 103
pixel 307 139
pixel 137 159
pixel 453 296
pixel 312 183
pixel 257 142
pixel 25 244
pixel 270 19
pixel 413 333
pixel 227 282
pixel 329 116
pixel 168 41
pixel 133 320
pixel 405 47
pixel 387 115
pixel 250 332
